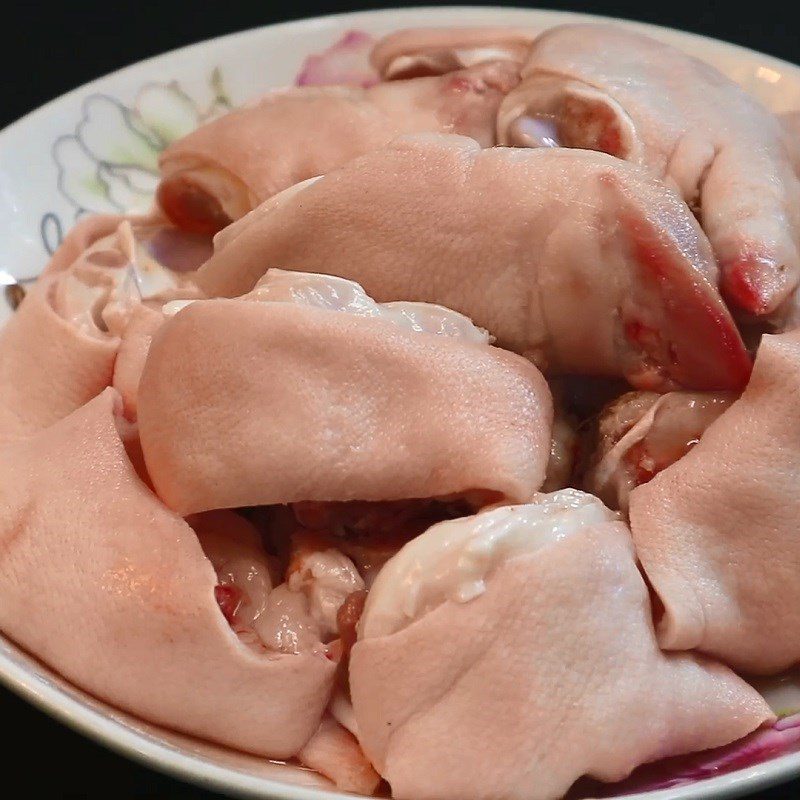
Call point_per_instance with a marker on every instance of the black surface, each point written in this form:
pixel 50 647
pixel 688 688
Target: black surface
pixel 49 48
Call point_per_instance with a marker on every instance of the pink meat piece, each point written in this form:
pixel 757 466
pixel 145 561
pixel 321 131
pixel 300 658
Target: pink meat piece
pixel 552 673
pixel 609 88
pixel 132 354
pixel 227 167
pixel 716 531
pixel 112 590
pixel 48 366
pixel 344 63
pixel 332 406
pixel 81 236
pixel 59 349
pixel 583 263
pixel 334 752
pixel 416 52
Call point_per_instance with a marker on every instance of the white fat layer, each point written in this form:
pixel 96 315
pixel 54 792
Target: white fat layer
pixel 286 624
pixel 253 578
pixel 471 56
pixel 241 562
pixel 453 559
pixel 295 616
pixel 446 60
pixel 332 293
pixel 326 577
pixel 338 294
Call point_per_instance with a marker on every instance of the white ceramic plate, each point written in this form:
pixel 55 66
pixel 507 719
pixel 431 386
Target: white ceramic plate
pixel 95 149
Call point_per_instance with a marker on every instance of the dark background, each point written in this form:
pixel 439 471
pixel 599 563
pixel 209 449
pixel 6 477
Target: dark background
pixel 50 48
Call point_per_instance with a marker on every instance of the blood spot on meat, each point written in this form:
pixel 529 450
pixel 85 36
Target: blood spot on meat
pixel 334 651
pixel 641 335
pixel 592 126
pixel 190 207
pixel 348 616
pixel 460 83
pixel 229 598
pixel 741 290
pixel 644 465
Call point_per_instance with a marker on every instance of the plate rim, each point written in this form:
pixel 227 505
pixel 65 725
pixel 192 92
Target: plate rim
pixel 377 13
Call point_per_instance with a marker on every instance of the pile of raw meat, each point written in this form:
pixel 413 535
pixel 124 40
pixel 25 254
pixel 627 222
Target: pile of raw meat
pixel 464 463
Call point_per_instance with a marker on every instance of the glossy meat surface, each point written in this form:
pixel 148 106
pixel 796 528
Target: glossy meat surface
pixel 415 52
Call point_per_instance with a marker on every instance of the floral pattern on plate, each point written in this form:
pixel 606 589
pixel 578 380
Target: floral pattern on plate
pixel 110 162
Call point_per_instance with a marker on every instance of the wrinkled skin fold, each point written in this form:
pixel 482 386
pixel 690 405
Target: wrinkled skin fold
pixel 577 260
pixel 717 531
pixel 112 590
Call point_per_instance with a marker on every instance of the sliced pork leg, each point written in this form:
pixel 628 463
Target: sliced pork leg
pixel 717 531
pixel 416 52
pixel 583 263
pixel 609 88
pixel 308 390
pixel 510 653
pixel 59 349
pixel 642 433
